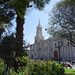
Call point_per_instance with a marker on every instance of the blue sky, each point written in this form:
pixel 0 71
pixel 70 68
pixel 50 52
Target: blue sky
pixel 32 19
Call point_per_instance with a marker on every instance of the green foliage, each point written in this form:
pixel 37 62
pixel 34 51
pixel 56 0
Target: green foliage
pixel 40 3
pixel 8 49
pixel 54 31
pixel 22 59
pixel 20 63
pixel 6 12
pixel 43 68
pixel 26 53
pixel 68 2
pixel 1 67
pixel 20 6
pixel 6 15
pixel 7 46
pixel 61 21
pixel 10 8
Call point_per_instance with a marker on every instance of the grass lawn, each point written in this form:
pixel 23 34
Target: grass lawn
pixel 70 71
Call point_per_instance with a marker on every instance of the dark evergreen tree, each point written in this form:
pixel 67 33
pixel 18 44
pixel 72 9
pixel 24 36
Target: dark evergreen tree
pixel 7 52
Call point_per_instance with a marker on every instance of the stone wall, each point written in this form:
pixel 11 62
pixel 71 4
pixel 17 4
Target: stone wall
pixel 45 50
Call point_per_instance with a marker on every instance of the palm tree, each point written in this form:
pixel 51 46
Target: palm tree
pixel 19 7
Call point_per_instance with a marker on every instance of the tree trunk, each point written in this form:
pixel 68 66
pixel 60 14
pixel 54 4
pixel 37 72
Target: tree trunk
pixel 5 69
pixel 19 34
pixel 9 70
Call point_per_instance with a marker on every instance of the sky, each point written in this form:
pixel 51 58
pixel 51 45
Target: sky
pixel 32 20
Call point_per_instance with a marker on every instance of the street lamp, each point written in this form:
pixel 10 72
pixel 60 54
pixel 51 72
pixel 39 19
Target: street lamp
pixel 59 45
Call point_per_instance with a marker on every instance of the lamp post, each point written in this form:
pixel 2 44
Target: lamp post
pixel 59 45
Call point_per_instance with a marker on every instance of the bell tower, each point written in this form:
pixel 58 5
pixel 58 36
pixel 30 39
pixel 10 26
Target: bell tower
pixel 39 36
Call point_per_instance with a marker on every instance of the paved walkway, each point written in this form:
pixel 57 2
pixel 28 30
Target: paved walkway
pixel 73 66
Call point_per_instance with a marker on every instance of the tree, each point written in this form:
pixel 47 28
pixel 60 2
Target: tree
pixel 62 21
pixel 6 15
pixel 19 7
pixel 7 51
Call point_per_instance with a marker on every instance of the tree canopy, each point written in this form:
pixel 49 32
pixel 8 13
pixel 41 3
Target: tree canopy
pixel 62 20
pixel 10 8
pixel 9 50
pixel 7 46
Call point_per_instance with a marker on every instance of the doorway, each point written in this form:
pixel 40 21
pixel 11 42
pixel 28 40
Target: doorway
pixel 55 54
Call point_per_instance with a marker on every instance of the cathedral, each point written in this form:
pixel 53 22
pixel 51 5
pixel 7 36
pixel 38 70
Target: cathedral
pixel 51 48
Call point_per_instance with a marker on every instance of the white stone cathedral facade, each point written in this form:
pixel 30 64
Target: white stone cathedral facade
pixel 48 49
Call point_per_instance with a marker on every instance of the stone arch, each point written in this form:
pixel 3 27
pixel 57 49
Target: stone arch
pixel 55 54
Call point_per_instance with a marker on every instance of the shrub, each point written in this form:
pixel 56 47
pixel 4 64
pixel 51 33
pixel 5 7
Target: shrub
pixel 44 68
pixel 20 63
pixel 1 67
